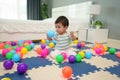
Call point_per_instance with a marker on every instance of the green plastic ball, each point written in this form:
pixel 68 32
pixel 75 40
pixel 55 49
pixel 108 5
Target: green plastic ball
pixel 6 46
pixel 9 55
pixel 112 50
pixel 28 47
pixel 78 58
pixel 59 58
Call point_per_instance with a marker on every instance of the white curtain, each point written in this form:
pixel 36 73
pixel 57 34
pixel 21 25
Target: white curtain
pixel 13 9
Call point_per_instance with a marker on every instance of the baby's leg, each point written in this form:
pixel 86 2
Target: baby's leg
pixel 70 51
pixel 54 53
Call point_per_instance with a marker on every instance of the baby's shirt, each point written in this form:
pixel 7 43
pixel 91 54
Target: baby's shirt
pixel 62 41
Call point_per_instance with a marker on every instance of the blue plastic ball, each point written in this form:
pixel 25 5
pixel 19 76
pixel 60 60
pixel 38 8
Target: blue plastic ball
pixel 54 41
pixel 16 58
pixel 88 55
pixel 51 33
pixel 32 45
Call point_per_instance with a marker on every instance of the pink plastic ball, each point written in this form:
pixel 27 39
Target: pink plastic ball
pixel 43 53
pixel 5 51
pixel 64 55
pixel 8 42
pixel 29 41
pixel 98 51
pixel 46 50
pixel 18 49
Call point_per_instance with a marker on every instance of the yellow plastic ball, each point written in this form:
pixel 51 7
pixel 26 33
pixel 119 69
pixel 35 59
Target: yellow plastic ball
pixel 82 53
pixel 51 45
pixel 43 41
pixel 24 50
pixel 75 41
pixel 5 79
pixel 105 47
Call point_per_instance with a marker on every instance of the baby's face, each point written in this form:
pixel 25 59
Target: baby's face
pixel 60 29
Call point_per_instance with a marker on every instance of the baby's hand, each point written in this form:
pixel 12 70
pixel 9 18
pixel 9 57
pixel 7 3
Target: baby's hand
pixel 72 35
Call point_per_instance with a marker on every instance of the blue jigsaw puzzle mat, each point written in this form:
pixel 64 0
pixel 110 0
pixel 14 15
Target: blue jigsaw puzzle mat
pixel 105 67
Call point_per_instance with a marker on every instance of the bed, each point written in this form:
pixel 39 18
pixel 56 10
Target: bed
pixel 11 30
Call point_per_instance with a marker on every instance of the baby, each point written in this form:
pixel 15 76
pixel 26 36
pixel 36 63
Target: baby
pixel 62 37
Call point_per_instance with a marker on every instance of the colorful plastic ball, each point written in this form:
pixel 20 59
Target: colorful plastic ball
pixel 78 58
pixel 6 78
pixel 54 41
pixel 105 47
pixel 28 47
pixel 47 42
pixel 21 41
pixel 46 50
pixel 79 45
pixel 1 45
pixel 75 41
pixel 43 46
pixel 13 43
pixel 59 58
pixel 51 33
pixel 43 41
pixel 51 45
pixel 21 55
pixel 14 47
pixel 16 58
pixel 38 50
pixel 82 44
pixel 13 51
pixel 98 51
pixel 88 55
pixel 8 42
pixel 64 54
pixel 18 49
pixel 71 58
pixel 20 44
pixel 9 55
pixel 82 53
pixel 29 41
pixel 22 68
pixel 6 46
pixel 67 71
pixel 118 55
pixel 24 50
pixel 43 53
pixel 32 45
pixel 112 50
pixel 8 64
pixel 5 51
pixel 26 44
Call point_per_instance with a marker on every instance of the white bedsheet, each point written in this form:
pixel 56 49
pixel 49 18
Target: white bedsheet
pixel 15 26
pixel 12 26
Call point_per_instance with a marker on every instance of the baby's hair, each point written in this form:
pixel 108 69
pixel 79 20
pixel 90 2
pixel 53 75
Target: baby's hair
pixel 63 20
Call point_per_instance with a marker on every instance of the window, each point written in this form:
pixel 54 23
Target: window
pixel 13 9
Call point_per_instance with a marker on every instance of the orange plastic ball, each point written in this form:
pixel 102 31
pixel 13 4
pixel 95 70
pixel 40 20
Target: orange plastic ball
pixel 67 71
pixel 83 44
pixel 38 50
pixel 1 45
pixel 118 55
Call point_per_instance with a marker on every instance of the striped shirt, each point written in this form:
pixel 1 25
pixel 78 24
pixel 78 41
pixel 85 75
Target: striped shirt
pixel 62 41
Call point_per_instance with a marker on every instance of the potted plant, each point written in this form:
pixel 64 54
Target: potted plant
pixel 98 24
pixel 44 11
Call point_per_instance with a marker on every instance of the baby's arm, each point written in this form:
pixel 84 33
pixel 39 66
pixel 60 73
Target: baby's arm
pixel 72 35
pixel 49 38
